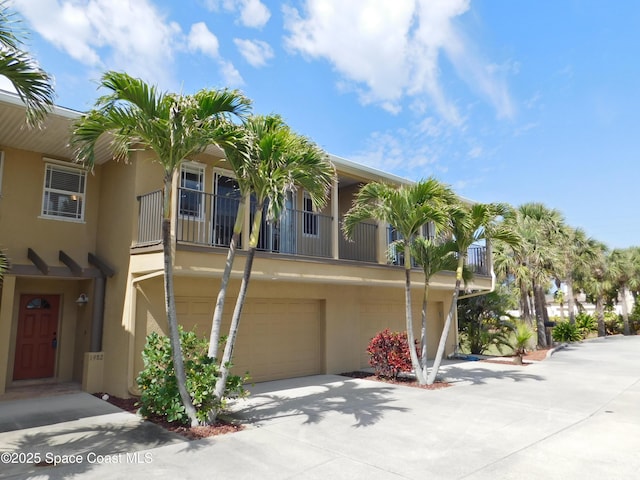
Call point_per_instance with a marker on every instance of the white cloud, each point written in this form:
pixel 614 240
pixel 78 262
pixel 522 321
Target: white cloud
pixel 230 74
pixel 253 13
pixel 133 36
pixel 119 34
pixel 201 39
pixel 255 52
pixel 388 51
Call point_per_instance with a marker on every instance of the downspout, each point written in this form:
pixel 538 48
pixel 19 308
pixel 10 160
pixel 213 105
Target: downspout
pixel 97 313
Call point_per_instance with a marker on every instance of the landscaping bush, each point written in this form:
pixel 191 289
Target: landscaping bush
pixel 566 332
pixel 482 323
pixel 389 354
pixel 613 323
pixel 157 381
pixel 586 324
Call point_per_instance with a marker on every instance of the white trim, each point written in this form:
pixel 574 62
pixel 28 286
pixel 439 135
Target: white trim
pixel 83 195
pixel 192 167
pixel 315 219
pixel 62 163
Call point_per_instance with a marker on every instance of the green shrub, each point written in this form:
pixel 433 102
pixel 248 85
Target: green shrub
pixel 157 381
pixel 566 332
pixel 389 354
pixel 481 324
pixel 586 324
pixel 613 323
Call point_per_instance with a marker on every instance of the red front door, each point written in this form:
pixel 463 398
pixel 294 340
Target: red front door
pixel 37 338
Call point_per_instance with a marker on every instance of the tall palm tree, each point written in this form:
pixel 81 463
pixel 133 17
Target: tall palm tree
pixel 279 161
pixel 531 263
pixel 470 225
pixel 406 209
pixel 176 128
pixel 33 85
pixel 621 265
pixel 596 281
pixel 575 252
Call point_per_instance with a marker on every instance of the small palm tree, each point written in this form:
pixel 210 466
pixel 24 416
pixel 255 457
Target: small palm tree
pixel 469 225
pixel 33 85
pixel 406 209
pixel 278 162
pixel 176 128
pixel 522 334
pixel 433 256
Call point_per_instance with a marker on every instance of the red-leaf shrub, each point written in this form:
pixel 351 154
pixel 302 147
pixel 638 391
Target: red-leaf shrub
pixel 389 354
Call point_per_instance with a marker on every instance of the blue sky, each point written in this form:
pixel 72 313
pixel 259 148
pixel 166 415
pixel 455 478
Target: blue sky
pixel 511 101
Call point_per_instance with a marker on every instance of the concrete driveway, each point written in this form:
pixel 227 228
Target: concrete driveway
pixel 574 416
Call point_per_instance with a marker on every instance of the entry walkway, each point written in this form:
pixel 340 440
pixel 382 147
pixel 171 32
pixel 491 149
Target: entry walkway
pixel 574 416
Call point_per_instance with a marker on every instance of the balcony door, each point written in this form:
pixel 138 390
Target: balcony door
pixel 225 208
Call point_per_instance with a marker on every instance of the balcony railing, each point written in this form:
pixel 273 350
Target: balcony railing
pixel 207 219
pixel 362 247
pixel 149 218
pixel 476 255
pixel 477 260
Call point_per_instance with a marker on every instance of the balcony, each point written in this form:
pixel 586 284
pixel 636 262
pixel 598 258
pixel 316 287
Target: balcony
pixel 207 220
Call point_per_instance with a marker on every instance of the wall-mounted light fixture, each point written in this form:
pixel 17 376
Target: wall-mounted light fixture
pixel 83 299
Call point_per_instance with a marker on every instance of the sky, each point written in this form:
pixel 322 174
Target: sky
pixel 506 101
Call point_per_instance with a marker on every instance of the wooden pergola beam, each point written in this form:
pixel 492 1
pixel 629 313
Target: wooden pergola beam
pixel 70 263
pixel 101 265
pixel 38 261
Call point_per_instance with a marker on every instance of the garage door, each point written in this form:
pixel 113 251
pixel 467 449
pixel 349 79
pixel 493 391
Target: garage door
pixel 279 339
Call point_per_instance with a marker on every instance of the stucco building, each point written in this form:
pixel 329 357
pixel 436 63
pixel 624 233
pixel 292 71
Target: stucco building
pixel 85 285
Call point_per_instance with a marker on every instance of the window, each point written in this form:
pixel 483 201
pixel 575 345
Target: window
pixel 191 190
pixel 64 192
pixel 310 219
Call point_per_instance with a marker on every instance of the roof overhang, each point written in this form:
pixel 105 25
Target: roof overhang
pixel 51 139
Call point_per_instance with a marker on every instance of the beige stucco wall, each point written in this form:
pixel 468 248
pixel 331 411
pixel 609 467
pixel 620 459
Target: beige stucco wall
pixel 21 224
pixel 350 314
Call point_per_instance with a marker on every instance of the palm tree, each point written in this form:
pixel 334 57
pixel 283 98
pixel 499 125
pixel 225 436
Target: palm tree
pixel 596 282
pixel 433 256
pixel 531 263
pixel 33 85
pixel 575 251
pixel 176 128
pixel 470 225
pixel 278 162
pixel 406 209
pixel 621 265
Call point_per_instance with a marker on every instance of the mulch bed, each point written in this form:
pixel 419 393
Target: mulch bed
pixel 192 433
pixel 409 382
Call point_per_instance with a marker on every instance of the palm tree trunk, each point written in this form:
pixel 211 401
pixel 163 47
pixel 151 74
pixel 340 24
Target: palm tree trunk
pixel 415 361
pixel 625 310
pixel 447 325
pixel 216 323
pixel 423 333
pixel 170 304
pixel 600 316
pixel 225 363
pixel 571 302
pixel 538 299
